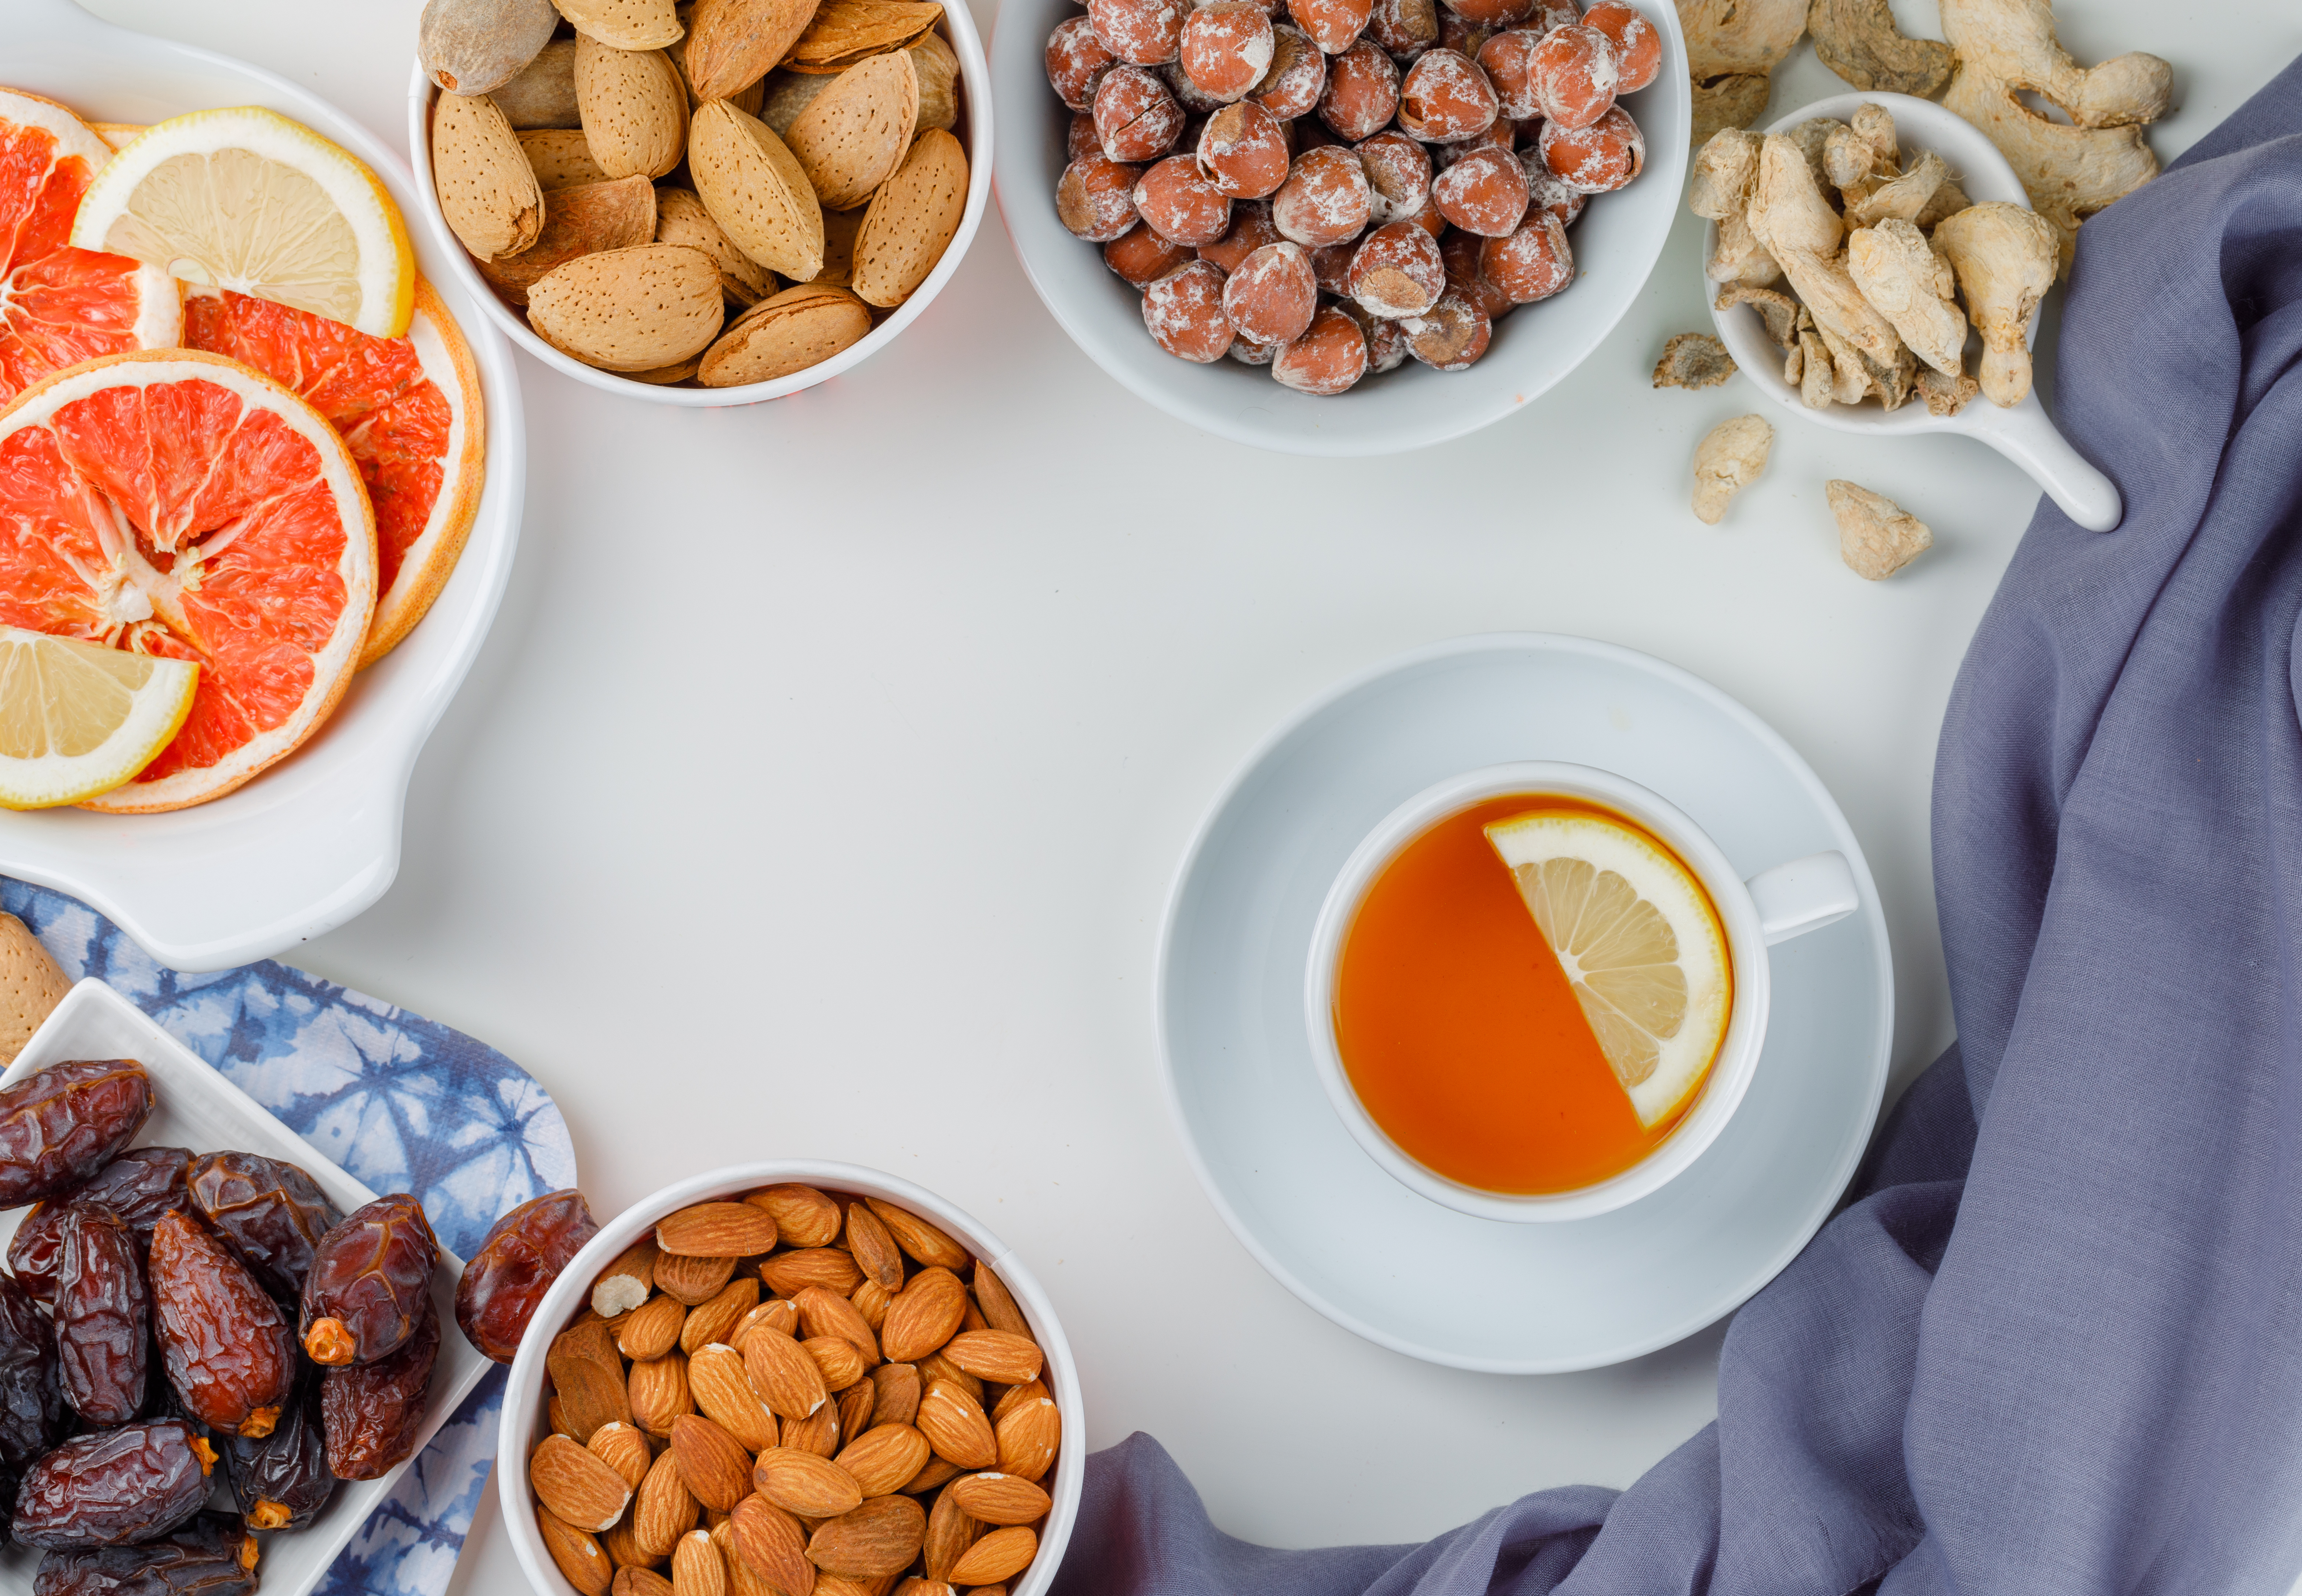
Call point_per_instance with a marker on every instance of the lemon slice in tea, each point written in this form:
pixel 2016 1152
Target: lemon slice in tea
pixel 77 718
pixel 1639 942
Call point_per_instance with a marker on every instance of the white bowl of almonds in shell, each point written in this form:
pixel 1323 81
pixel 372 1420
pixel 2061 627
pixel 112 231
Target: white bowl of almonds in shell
pixel 789 1375
pixel 708 204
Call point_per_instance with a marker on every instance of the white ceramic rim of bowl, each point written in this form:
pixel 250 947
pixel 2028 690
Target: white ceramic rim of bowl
pixel 523 1423
pixel 975 78
pixel 1722 1089
pixel 1388 414
pixel 250 876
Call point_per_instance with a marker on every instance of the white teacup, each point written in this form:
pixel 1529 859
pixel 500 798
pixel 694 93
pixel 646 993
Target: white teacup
pixel 1772 906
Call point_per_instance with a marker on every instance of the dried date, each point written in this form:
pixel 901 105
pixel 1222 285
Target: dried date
pixel 373 1412
pixel 140 1186
pixel 60 1125
pixel 522 1255
pixel 281 1480
pixel 226 1346
pixel 32 1388
pixel 269 1212
pixel 104 1316
pixel 114 1487
pixel 214 1555
pixel 369 1284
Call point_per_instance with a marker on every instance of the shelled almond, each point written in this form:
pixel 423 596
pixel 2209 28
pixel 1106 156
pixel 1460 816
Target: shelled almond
pixel 793 144
pixel 854 1402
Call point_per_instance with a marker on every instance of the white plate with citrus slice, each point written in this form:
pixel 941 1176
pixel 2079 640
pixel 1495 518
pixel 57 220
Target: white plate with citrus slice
pixel 382 424
pixel 1334 1225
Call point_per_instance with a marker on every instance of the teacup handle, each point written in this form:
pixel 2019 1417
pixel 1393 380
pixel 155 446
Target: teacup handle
pixel 1803 895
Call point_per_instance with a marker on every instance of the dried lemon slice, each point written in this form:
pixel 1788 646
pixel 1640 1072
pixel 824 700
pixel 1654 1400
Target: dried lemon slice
pixel 1639 942
pixel 77 718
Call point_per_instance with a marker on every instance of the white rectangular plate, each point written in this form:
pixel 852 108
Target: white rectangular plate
pixel 199 1109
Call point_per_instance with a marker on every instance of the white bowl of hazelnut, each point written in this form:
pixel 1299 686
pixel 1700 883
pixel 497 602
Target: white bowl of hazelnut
pixel 1340 227
pixel 797 1375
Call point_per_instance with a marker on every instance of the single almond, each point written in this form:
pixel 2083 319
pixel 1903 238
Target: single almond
pixel 956 1428
pixel 742 1581
pixel 713 1229
pixel 589 1398
pixel 716 1374
pixel 776 1311
pixel 911 220
pixel 951 1529
pixel 884 1458
pixel 843 32
pixel 713 1464
pixel 803 1483
pixel 852 136
pixel 622 1447
pixel 715 1321
pixel 1001 1499
pixel 789 1273
pixel 734 42
pixel 999 1309
pixel 819 1433
pixel 652 1329
pixel 1028 1437
pixel 542 93
pixel 897 1394
pixel 557 1412
pixel 836 1357
pixel 823 1312
pixel 919 1239
pixel 936 1366
pixel 488 192
pixel 871 1299
pixel 623 1550
pixel 577 1555
pixel 925 1314
pixel 787 1379
pixel 754 188
pixel 873 1250
pixel 938 66
pixel 877 1539
pixel 693 1280
pixel 1016 1395
pixel 659 1393
pixel 578 1487
pixel 561 159
pixel 799 327
pixel 634 112
pixel 629 309
pixel 996 1356
pixel 855 1407
pixel 771 1543
pixel 664 1509
pixel 680 218
pixel 626 24
pixel 473 46
pixel 696 1567
pixel 997 1557
pixel 939 1472
pixel 624 1284
pixel 804 1216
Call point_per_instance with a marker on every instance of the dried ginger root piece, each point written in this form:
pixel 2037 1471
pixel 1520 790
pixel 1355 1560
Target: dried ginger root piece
pixel 1801 230
pixel 1904 197
pixel 1858 40
pixel 1778 311
pixel 2006 48
pixel 1693 360
pixel 1724 168
pixel 1945 395
pixel 2004 258
pixel 1730 457
pixel 1817 370
pixel 1913 288
pixel 1733 48
pixel 1877 537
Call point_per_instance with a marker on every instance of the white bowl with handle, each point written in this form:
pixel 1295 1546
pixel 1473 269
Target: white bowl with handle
pixel 2023 433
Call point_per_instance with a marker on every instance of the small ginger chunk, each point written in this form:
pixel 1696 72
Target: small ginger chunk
pixel 1730 457
pixel 1877 537
pixel 1693 360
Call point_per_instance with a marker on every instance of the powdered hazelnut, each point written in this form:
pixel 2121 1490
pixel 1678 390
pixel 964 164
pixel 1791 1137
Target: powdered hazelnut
pixel 1545 191
pixel 1493 13
pixel 1332 265
pixel 1242 151
pixel 1325 198
pixel 1508 60
pixel 1362 93
pixel 1461 35
pixel 1081 139
pixel 1227 48
pixel 1485 192
pixel 1445 99
pixel 1247 352
pixel 1405 28
pixel 1096 198
pixel 1076 61
pixel 1194 99
pixel 1180 204
pixel 1327 359
pixel 1398 175
pixel 1533 263
pixel 1139 32
pixel 1250 230
pixel 1386 341
pixel 1451 335
pixel 1298 74
pixel 1461 252
pixel 1183 311
pixel 1141 257
pixel 1332 24
pixel 1638 45
pixel 1396 271
pixel 1135 117
pixel 1272 296
pixel 1598 159
pixel 1575 75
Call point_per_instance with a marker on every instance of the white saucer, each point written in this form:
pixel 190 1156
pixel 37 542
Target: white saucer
pixel 1314 1209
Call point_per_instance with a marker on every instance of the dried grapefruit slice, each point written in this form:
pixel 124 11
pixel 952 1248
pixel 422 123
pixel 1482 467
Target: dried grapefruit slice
pixel 408 407
pixel 61 306
pixel 175 503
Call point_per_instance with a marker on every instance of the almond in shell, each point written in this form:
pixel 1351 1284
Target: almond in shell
pixel 798 328
pixel 634 112
pixel 938 65
pixel 735 43
pixel 846 31
pixel 663 376
pixel 561 159
pixel 911 220
pixel 852 136
pixel 629 309
pixel 488 192
pixel 757 192
pixel 584 220
pixel 626 24
pixel 542 95
pixel 745 99
pixel 473 46
pixel 785 95
pixel 879 1537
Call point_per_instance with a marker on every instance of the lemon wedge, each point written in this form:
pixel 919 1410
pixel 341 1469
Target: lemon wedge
pixel 78 718
pixel 246 199
pixel 1639 942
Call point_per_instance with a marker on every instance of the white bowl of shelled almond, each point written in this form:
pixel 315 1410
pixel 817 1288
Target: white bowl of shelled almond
pixel 709 204
pixel 792 1377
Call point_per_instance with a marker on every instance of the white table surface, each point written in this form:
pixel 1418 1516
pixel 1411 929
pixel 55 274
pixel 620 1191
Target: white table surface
pixel 818 789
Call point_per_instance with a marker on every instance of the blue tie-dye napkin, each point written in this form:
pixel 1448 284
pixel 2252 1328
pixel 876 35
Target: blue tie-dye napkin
pixel 403 1104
